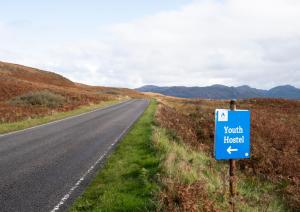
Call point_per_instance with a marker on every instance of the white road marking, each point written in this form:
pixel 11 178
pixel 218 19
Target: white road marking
pixel 67 196
pixel 54 122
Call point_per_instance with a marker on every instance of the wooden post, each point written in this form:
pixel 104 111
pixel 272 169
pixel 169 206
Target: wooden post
pixel 232 167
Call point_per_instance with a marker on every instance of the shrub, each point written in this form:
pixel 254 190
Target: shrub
pixel 39 98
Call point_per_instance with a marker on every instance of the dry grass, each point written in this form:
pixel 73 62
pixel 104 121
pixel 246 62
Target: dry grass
pixel 275 128
pixel 182 186
pixel 191 180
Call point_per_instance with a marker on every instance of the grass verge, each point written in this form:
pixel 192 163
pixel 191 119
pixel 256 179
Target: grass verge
pixel 127 181
pixel 192 180
pixel 20 125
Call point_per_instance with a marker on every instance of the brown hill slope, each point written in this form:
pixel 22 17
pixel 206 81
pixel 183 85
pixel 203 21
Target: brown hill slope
pixel 33 75
pixel 16 80
pixel 28 92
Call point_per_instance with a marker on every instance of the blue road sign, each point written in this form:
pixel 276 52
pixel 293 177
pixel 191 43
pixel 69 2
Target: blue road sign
pixel 232 134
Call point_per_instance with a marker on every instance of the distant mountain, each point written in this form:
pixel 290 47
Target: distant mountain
pixel 285 91
pixel 224 92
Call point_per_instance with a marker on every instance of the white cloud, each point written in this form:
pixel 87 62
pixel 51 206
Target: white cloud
pixel 230 42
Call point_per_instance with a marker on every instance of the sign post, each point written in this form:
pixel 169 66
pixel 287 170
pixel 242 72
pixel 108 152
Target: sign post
pixel 232 140
pixel 232 180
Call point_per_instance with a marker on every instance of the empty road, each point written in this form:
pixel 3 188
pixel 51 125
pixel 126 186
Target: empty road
pixel 45 168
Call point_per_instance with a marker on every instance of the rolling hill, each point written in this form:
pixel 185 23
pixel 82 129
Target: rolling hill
pixel 19 82
pixel 224 92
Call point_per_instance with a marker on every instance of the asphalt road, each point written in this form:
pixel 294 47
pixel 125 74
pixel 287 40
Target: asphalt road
pixel 45 168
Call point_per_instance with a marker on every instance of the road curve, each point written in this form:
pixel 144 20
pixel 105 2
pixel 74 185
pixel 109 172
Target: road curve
pixel 45 168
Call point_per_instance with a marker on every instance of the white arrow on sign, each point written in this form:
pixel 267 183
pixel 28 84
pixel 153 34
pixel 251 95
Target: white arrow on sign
pixel 229 150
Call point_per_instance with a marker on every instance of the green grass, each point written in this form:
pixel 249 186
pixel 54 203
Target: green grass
pixel 127 181
pixel 184 165
pixel 20 125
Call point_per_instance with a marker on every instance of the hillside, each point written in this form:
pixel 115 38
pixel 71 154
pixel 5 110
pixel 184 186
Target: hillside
pixel 19 82
pixel 224 92
pixel 16 80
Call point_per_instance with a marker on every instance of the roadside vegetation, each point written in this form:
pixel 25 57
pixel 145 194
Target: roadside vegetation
pixel 193 181
pixel 127 181
pixel 269 181
pixel 54 116
pixel 43 103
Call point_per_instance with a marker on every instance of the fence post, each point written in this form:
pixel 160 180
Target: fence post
pixel 232 168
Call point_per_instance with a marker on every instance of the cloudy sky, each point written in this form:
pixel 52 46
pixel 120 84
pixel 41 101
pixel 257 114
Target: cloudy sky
pixel 163 42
